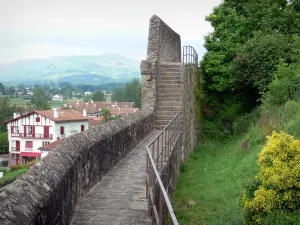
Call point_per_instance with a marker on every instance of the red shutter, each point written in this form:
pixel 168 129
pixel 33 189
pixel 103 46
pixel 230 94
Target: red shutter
pixel 33 131
pixel 46 132
pixel 62 130
pixel 28 144
pixel 37 119
pixel 24 131
pixel 82 127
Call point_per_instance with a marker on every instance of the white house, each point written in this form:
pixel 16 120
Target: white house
pixel 30 131
pixel 58 97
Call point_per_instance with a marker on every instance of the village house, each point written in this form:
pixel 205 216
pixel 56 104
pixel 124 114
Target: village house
pixel 92 109
pixel 58 97
pixel 30 131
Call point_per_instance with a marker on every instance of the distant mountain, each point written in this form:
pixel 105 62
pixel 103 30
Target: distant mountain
pixel 88 69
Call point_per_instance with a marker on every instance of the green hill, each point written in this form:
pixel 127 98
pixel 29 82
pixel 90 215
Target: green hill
pixel 90 69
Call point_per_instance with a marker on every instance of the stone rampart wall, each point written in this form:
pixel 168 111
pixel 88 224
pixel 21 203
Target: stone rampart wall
pixel 48 193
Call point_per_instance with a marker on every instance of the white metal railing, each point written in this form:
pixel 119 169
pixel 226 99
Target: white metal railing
pixel 158 154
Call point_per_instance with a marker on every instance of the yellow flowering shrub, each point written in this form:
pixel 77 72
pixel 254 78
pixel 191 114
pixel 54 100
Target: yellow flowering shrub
pixel 278 181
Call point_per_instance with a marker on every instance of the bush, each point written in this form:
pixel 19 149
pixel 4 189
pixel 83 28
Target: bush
pixel 4 143
pixel 279 176
pixel 18 167
pixel 11 176
pixel 3 170
pixel 285 86
pixel 244 122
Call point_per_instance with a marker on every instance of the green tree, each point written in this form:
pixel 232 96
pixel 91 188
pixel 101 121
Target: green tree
pixel 118 94
pixel 105 114
pixel 2 89
pixel 249 41
pixel 132 92
pixel 98 96
pixel 5 112
pixel 11 91
pixel 4 143
pixel 39 100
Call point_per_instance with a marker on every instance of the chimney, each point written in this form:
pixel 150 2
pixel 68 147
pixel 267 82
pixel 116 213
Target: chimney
pixel 16 114
pixel 119 109
pixel 92 101
pixel 70 106
pixel 84 112
pixel 55 113
pixel 134 110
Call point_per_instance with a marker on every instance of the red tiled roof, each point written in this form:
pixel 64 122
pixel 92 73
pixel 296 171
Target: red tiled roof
pixel 123 111
pixel 51 146
pixel 93 107
pixel 63 115
pixel 94 121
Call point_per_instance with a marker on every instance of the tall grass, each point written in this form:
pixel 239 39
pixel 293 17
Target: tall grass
pixel 212 181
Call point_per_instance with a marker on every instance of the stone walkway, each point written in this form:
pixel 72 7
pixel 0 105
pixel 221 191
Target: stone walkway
pixel 120 197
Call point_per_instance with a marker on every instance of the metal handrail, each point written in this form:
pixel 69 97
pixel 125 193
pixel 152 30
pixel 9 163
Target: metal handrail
pixel 152 170
pixel 190 56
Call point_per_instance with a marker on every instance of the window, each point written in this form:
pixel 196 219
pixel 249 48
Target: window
pixel 62 130
pixel 28 144
pixel 46 143
pixel 82 127
pixel 30 129
pixel 37 119
pixel 15 130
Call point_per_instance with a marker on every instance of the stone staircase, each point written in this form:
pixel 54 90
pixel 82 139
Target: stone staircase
pixel 169 93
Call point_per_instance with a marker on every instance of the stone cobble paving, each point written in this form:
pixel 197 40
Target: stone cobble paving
pixel 120 197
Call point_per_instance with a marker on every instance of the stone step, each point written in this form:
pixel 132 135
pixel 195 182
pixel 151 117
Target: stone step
pixel 171 78
pixel 166 113
pixel 170 82
pixel 169 98
pixel 170 90
pixel 169 94
pixel 162 122
pixel 170 65
pixel 168 108
pixel 173 86
pixel 168 103
pixel 171 70
pixel 160 127
pixel 165 117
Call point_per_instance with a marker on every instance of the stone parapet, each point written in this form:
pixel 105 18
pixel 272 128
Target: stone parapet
pixel 48 193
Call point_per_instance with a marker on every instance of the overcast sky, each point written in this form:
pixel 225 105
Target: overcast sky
pixel 39 28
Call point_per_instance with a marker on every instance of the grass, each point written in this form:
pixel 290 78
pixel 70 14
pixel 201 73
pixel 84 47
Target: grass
pixel 11 176
pixel 212 181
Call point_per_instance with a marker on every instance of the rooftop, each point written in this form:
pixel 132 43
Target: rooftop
pixel 51 146
pixel 63 115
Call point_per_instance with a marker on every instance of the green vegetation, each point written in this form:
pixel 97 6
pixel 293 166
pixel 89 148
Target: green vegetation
pixel 11 176
pixel 3 143
pixel 248 89
pixel 130 93
pixel 106 115
pixel 276 187
pixel 250 40
pixel 212 181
